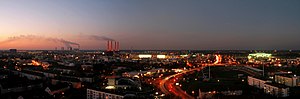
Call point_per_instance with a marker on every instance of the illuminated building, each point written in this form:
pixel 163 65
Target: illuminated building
pixel 152 56
pixel 115 82
pixel 258 56
pixel 288 80
pixel 161 56
pixel 94 94
pixel 273 89
pixel 145 56
pixel 183 56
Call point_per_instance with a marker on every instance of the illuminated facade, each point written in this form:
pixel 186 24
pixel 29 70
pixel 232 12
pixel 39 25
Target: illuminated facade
pixel 161 56
pixel 288 80
pixel 273 89
pixel 151 56
pixel 94 94
pixel 259 56
pixel 145 56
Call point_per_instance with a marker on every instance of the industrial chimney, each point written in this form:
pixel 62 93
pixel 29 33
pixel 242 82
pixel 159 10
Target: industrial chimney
pixel 108 46
pixel 118 46
pixel 115 49
pixel 111 46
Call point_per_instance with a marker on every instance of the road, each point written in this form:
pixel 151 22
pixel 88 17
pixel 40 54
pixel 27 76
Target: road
pixel 167 85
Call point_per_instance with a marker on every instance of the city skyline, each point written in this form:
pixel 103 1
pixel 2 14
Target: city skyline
pixel 145 25
pixel 149 49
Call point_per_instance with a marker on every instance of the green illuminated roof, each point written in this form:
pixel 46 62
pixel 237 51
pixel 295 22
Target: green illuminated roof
pixel 260 55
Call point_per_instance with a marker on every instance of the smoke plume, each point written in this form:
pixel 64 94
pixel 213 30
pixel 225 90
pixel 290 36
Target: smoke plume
pixel 100 38
pixel 34 37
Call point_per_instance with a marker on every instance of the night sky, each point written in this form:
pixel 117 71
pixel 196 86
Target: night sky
pixel 151 24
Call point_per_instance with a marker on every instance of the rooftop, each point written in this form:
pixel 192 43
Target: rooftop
pixel 66 79
pixel 277 85
pixel 287 75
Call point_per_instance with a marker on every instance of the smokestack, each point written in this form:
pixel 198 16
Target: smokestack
pixel 118 46
pixel 107 46
pixel 62 48
pixel 115 46
pixel 111 45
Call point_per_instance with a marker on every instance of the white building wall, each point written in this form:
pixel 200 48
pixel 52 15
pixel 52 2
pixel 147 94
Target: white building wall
pixel 93 94
pixel 256 82
pixel 268 89
pixel 288 81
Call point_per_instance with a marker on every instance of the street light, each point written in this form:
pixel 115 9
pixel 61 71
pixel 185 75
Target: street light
pixel 156 93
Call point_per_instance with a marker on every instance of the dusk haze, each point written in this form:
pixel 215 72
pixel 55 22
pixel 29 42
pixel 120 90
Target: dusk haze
pixel 149 49
pixel 154 24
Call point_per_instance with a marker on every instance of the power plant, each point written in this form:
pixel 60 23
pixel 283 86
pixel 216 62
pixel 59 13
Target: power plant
pixel 113 46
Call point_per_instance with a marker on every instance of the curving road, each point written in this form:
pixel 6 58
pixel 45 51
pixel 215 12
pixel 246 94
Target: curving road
pixel 168 86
